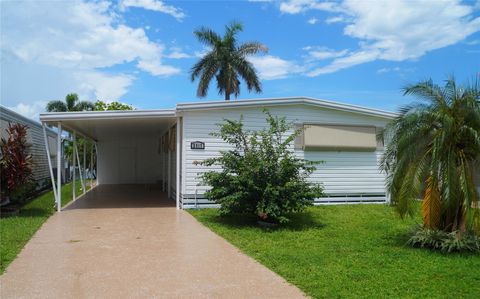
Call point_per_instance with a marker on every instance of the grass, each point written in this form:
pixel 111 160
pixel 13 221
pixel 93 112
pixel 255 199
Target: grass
pixel 16 231
pixel 350 251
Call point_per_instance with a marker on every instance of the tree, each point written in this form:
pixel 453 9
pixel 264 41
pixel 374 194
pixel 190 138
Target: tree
pixel 227 61
pixel 261 175
pixel 102 106
pixel 15 161
pixel 433 152
pixel 71 104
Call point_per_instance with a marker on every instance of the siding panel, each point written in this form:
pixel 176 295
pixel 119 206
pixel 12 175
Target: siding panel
pixel 343 173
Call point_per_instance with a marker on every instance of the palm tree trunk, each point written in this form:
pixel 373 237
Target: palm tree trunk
pixel 227 95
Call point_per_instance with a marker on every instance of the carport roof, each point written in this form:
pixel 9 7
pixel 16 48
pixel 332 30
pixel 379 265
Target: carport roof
pixel 99 125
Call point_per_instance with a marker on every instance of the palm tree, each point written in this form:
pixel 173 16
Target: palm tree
pixel 434 152
pixel 71 104
pixel 227 61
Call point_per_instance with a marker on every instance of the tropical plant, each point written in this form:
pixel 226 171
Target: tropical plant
pixel 15 161
pixel 103 106
pixel 445 241
pixel 226 61
pixel 433 151
pixel 260 175
pixel 71 104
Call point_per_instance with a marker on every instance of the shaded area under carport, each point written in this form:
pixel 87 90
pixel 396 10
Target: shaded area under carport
pixel 123 196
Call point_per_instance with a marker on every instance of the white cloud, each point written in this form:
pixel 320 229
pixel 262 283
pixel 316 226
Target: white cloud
pixel 298 6
pixel 322 53
pixel 388 70
pixel 393 30
pixel 271 67
pixel 66 51
pixel 337 19
pixel 102 86
pixel 177 53
pixel 353 59
pixel 155 5
pixel 312 21
pixel 32 110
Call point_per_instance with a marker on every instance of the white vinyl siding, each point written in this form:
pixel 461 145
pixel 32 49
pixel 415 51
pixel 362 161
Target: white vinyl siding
pixel 36 140
pixel 343 173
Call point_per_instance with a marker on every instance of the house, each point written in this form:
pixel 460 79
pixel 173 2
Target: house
pixel 35 139
pixel 163 146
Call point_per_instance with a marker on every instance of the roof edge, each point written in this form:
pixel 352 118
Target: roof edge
pixel 112 114
pixel 287 101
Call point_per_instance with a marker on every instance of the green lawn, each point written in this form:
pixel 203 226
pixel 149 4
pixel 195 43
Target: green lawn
pixel 16 231
pixel 351 251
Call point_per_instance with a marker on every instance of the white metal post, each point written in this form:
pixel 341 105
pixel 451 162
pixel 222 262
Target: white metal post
pixel 169 165
pixel 96 164
pixel 47 147
pixel 59 167
pixel 91 165
pixel 84 166
pixel 79 167
pixel 74 181
pixel 177 169
pixel 164 163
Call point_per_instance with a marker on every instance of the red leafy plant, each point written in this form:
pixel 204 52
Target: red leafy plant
pixel 15 161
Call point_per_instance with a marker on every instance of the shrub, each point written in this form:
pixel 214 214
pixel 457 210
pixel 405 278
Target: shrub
pixel 261 174
pixel 15 162
pixel 446 242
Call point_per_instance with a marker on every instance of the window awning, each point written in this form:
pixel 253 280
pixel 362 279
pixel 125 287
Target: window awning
pixel 339 137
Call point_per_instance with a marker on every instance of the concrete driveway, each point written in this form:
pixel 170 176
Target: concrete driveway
pixel 123 242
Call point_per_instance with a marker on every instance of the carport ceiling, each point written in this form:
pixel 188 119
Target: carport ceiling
pixel 105 125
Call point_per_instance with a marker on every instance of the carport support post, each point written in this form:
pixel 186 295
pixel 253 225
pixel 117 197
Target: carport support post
pixel 91 165
pixel 59 167
pixel 177 192
pixel 84 166
pixel 49 158
pixel 74 183
pixel 169 165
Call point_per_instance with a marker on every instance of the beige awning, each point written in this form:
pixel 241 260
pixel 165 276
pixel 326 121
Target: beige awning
pixel 340 137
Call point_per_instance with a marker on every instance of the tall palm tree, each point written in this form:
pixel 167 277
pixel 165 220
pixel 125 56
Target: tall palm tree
pixel 71 104
pixel 434 152
pixel 227 61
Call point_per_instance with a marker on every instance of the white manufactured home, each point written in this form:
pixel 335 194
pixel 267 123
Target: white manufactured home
pixel 162 147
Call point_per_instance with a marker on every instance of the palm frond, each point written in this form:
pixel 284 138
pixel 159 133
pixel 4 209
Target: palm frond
pixel 70 100
pixel 251 48
pixel 207 36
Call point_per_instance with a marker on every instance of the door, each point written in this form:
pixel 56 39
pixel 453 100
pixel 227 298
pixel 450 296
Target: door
pixel 127 165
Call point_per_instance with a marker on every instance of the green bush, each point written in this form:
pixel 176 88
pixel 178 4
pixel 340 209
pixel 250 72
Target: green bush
pixel 261 174
pixel 446 242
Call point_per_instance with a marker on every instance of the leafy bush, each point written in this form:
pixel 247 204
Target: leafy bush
pixel 445 241
pixel 24 192
pixel 15 162
pixel 261 174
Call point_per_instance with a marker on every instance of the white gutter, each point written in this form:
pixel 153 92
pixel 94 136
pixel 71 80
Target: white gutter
pixel 101 115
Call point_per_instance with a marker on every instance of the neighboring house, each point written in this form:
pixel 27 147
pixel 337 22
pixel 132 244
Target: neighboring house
pixel 36 141
pixel 164 146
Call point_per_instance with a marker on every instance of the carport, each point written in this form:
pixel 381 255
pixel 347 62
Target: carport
pixel 131 148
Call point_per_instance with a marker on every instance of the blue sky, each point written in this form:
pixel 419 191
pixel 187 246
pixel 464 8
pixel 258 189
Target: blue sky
pixel 140 51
